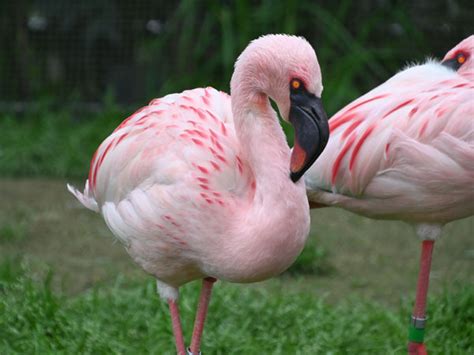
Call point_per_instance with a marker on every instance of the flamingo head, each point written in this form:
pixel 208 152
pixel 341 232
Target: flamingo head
pixel 461 57
pixel 285 68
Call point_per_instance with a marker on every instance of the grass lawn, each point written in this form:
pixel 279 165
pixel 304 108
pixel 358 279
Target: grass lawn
pixel 66 287
pixel 243 320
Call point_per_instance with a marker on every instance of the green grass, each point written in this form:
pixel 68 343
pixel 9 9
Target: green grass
pixel 243 320
pixel 14 227
pixel 314 260
pixel 53 143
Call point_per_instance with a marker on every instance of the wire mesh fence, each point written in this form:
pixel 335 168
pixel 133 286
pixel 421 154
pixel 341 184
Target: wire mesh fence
pixel 78 52
pixel 75 49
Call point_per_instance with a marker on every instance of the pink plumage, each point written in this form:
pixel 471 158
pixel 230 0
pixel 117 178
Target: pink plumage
pixel 197 185
pixel 405 151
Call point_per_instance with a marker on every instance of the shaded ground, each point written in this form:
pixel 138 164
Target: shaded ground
pixel 42 225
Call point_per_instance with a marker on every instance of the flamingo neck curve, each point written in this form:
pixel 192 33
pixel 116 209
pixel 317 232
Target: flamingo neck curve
pixel 276 220
pixel 262 140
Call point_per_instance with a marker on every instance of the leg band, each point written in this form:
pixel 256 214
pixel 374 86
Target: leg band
pixel 416 330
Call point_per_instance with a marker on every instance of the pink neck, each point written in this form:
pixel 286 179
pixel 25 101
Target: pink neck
pixel 276 220
pixel 263 143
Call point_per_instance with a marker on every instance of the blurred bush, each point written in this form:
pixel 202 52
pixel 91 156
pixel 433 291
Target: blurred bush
pixel 75 51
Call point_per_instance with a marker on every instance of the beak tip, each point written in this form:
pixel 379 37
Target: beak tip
pixel 295 176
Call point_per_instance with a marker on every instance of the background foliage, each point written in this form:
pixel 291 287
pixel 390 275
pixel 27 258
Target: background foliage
pixel 76 51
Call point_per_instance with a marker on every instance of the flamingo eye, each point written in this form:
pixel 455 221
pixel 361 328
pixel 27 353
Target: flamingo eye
pixel 296 84
pixel 461 58
pixel 456 61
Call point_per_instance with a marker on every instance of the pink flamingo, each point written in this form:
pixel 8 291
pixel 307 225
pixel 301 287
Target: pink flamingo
pixel 405 151
pixel 200 185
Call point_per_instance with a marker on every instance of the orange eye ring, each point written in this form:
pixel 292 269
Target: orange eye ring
pixel 461 59
pixel 295 84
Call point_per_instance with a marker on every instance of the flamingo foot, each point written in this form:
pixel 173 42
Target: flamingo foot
pixel 201 313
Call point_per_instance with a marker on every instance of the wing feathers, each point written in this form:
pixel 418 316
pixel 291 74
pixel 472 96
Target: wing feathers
pixel 84 198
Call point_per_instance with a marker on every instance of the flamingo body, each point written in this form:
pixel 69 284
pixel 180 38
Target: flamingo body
pixel 199 185
pixel 404 150
pixel 171 184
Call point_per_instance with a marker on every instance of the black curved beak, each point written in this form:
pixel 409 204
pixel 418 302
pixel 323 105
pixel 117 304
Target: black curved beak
pixel 311 131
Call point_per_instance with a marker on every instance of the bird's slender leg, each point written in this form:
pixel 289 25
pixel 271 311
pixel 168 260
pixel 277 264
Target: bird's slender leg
pixel 177 330
pixel 201 313
pixel 418 319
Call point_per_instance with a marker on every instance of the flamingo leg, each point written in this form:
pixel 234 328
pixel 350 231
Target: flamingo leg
pixel 177 330
pixel 201 313
pixel 416 345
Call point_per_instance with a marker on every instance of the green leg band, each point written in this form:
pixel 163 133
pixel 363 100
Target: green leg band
pixel 416 335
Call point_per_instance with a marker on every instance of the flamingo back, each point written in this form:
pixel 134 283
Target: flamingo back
pixel 404 150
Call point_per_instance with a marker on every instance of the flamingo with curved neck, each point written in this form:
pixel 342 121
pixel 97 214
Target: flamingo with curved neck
pixel 200 185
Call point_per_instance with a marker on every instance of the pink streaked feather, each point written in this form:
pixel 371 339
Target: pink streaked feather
pixel 405 149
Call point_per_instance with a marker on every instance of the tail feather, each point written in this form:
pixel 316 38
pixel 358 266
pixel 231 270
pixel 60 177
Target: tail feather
pixel 85 198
